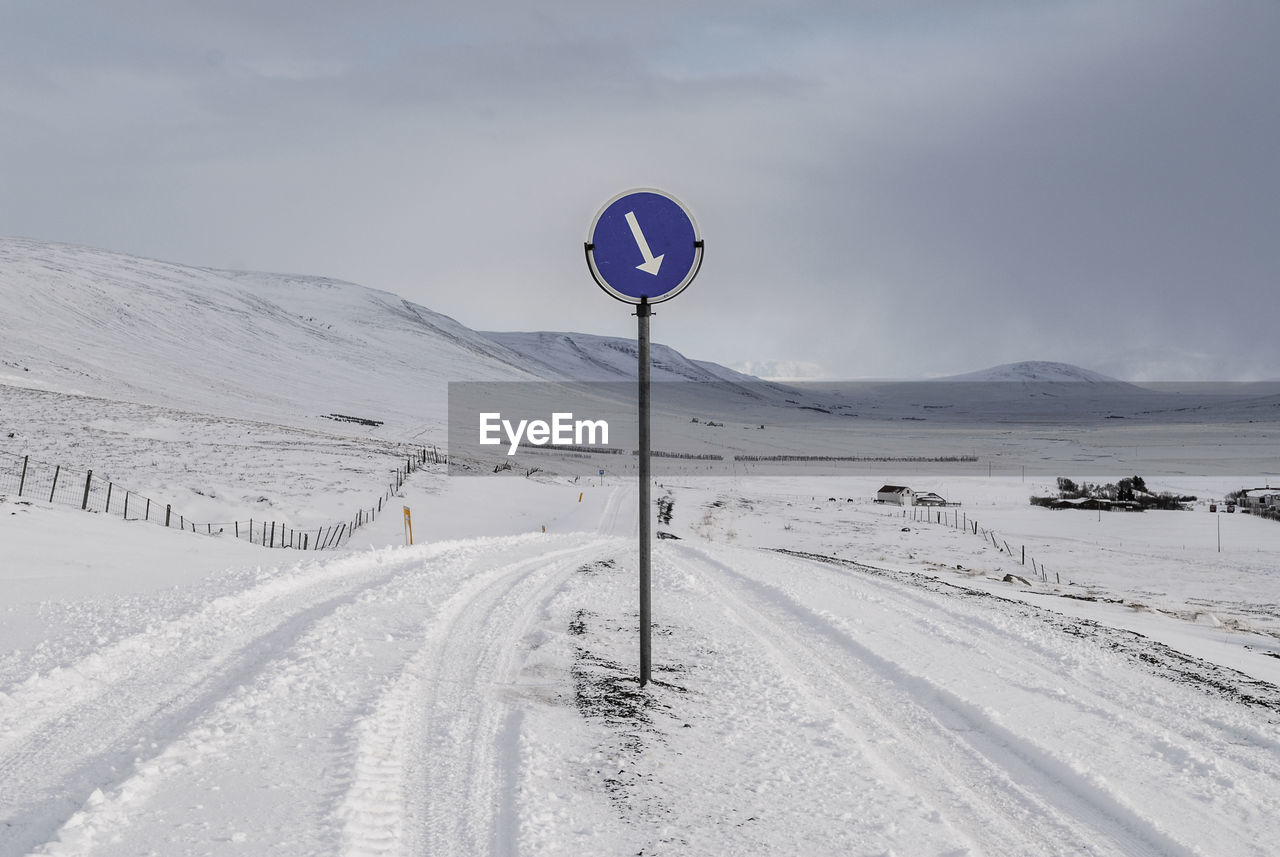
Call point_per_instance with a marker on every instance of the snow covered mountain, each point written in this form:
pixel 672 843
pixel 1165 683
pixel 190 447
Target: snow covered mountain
pixel 586 357
pixel 268 346
pixel 1035 371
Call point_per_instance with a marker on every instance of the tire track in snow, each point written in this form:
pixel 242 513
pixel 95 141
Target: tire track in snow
pixel 1096 692
pixel 1157 657
pixel 87 728
pixel 958 614
pixel 436 760
pixel 1006 795
pixel 319 687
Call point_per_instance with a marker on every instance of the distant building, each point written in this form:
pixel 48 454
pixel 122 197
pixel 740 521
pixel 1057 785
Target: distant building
pixel 1092 503
pixel 899 495
pixel 930 499
pixel 1260 500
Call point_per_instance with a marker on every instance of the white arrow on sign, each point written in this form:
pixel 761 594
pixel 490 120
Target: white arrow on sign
pixel 651 262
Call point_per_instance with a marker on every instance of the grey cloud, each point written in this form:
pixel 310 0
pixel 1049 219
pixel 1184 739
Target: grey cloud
pixel 1092 182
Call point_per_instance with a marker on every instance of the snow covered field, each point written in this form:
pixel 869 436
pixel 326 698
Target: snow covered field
pixel 832 676
pixel 177 694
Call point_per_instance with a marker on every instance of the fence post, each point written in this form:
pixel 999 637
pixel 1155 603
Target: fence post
pixel 56 470
pixel 84 504
pixel 168 513
pixel 1024 554
pixel 148 514
pixel 126 505
pixel 23 480
pixel 273 534
pixel 108 510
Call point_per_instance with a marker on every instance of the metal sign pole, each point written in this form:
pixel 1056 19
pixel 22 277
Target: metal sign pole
pixel 643 248
pixel 642 338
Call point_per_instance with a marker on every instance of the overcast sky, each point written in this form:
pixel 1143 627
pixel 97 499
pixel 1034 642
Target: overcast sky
pixel 886 189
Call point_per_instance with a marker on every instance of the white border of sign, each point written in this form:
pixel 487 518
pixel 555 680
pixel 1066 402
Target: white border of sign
pixel 628 299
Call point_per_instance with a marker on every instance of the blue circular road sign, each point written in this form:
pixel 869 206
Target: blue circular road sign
pixel 643 246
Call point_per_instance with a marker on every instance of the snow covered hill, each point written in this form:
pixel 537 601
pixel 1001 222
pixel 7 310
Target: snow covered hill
pixel 585 357
pixel 1035 371
pixel 270 346
pixel 280 347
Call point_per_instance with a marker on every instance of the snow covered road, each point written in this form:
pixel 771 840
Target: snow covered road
pixel 476 697
pixel 255 698
pixel 1000 724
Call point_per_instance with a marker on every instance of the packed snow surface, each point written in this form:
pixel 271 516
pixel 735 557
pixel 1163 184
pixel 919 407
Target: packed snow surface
pixel 831 677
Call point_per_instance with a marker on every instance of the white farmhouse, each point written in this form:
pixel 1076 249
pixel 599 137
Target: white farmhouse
pixel 899 495
pixel 1260 500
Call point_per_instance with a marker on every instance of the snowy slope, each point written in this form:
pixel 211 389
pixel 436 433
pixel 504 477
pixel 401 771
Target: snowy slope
pixel 261 345
pixel 1038 371
pixel 585 357
pixel 273 346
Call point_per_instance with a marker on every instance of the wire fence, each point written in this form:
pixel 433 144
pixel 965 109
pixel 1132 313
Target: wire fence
pixel 29 479
pixel 959 520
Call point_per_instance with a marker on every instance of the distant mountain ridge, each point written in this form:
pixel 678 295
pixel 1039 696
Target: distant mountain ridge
pixel 1035 371
pixel 587 357
pixel 290 349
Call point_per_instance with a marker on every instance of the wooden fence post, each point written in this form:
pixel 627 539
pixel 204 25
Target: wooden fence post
pixel 56 470
pixel 84 504
pixel 23 479
pixel 108 510
pixel 168 513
